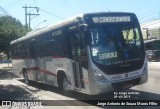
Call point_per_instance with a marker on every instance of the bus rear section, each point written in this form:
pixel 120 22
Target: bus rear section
pixel 116 52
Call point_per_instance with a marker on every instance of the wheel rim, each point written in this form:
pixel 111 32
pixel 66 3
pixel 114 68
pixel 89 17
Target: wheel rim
pixel 65 84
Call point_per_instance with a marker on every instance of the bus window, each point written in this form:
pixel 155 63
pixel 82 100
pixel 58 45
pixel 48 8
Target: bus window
pixel 61 45
pixel 33 48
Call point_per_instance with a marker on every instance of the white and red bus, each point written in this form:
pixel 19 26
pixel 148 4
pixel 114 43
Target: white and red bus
pixel 91 53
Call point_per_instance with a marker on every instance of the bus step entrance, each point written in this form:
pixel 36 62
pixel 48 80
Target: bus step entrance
pixel 78 76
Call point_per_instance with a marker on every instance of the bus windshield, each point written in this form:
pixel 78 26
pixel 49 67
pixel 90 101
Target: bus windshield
pixel 116 44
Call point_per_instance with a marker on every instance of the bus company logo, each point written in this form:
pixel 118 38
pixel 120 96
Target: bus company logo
pixel 6 103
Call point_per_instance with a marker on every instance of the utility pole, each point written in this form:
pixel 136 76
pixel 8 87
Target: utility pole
pixel 25 17
pixel 26 14
pixel 147 32
pixel 30 18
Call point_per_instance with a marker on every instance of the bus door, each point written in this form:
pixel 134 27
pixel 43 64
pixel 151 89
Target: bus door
pixel 76 55
pixel 35 61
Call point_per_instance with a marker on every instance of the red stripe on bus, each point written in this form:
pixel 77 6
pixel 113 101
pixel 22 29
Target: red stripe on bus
pixel 33 68
pixel 42 70
pixel 47 72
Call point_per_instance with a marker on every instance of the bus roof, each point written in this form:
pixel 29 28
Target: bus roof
pixel 46 29
pixel 68 21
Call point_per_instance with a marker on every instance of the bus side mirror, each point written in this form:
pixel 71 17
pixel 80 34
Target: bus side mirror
pixel 87 37
pixel 83 27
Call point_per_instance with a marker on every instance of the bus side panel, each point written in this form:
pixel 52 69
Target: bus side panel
pixel 48 68
pixel 63 64
pixel 32 69
pixel 48 71
pixel 86 80
pixel 17 66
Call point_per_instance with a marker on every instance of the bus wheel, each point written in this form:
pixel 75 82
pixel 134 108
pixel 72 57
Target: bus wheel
pixel 25 75
pixel 65 86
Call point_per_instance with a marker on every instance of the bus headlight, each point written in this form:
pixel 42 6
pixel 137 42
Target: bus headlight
pixel 99 76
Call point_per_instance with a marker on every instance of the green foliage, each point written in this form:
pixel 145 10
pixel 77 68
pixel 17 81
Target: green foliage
pixel 10 29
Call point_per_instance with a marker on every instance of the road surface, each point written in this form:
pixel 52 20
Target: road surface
pixel 12 87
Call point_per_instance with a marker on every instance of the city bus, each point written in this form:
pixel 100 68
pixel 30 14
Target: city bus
pixel 152 47
pixel 90 53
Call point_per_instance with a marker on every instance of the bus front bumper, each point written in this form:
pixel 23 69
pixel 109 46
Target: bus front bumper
pixel 103 87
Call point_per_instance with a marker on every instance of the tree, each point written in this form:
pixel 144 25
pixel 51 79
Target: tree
pixel 10 29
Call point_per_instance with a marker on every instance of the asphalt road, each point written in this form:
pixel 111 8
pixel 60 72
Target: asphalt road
pixel 12 87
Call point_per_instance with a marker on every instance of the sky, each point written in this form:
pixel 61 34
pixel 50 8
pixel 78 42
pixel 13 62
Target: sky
pixel 53 11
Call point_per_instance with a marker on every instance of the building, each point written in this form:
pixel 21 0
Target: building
pixel 151 29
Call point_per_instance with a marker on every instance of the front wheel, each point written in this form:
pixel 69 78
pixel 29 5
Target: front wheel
pixel 65 86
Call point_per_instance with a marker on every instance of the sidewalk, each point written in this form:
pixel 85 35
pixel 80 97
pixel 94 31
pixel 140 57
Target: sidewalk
pixel 6 66
pixel 156 64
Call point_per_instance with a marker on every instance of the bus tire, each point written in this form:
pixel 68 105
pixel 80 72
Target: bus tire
pixel 65 85
pixel 25 76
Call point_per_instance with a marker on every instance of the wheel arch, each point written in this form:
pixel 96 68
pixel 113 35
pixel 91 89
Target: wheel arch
pixel 60 73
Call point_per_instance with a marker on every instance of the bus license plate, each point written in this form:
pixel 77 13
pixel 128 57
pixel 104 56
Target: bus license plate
pixel 127 86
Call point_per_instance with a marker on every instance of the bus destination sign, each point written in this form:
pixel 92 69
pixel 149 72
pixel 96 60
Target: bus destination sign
pixel 106 19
